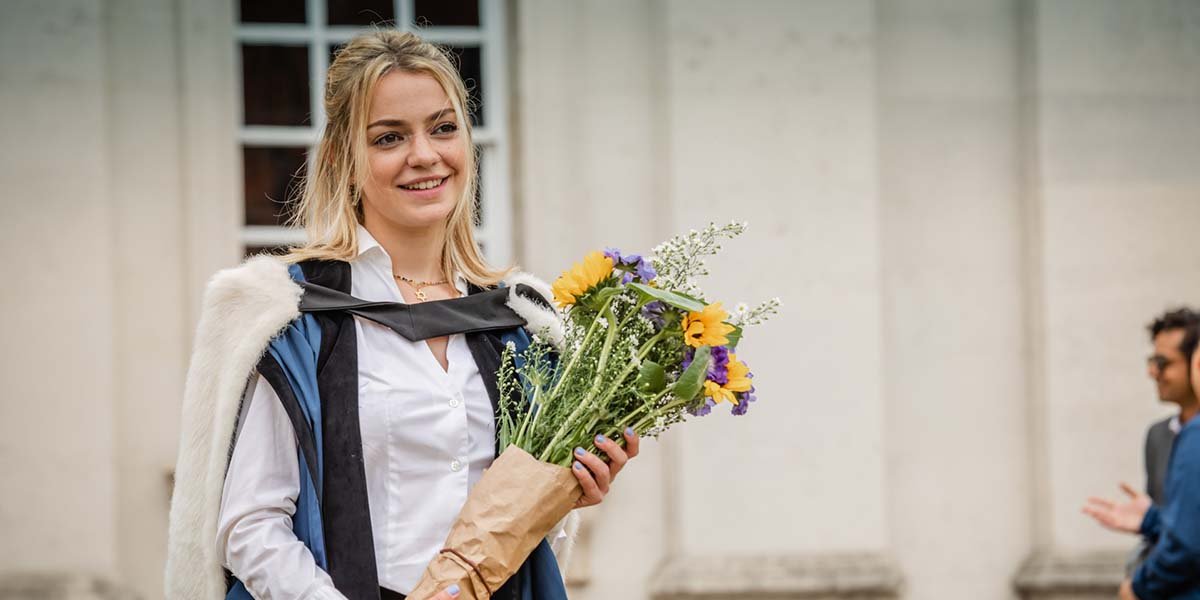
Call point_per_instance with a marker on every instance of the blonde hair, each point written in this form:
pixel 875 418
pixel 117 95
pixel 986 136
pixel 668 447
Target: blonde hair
pixel 329 208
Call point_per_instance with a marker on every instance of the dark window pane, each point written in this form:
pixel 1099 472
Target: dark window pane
pixel 249 251
pixel 360 12
pixel 272 11
pixel 270 183
pixel 469 67
pixel 275 85
pixel 446 13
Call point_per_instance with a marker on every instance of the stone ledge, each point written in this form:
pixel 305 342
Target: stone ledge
pixel 1075 576
pixel 816 577
pixel 60 586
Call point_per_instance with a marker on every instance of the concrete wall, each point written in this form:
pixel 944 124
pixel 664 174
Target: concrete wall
pixel 970 208
pixel 119 167
pixel 1117 199
pixel 950 191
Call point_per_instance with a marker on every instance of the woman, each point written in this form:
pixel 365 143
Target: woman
pixel 337 472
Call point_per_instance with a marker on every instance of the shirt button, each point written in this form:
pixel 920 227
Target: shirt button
pixel 454 402
pixel 456 465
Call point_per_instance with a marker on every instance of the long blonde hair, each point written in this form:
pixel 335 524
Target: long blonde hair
pixel 329 208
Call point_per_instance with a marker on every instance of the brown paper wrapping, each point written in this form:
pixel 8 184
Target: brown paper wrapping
pixel 516 503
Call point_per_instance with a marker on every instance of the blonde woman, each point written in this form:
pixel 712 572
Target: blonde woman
pixel 333 421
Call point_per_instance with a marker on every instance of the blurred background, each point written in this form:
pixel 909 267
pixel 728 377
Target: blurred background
pixel 971 209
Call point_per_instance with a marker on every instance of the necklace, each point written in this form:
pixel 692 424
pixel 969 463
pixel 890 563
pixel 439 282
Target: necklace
pixel 419 286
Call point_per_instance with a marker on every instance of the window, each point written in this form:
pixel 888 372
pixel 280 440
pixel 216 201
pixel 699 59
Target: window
pixel 285 47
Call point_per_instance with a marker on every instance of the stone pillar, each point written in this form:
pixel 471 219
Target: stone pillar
pixel 1114 88
pixel 954 351
pixel 57 237
pixel 771 115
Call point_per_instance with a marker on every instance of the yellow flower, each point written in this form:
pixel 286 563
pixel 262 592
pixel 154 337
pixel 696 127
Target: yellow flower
pixel 714 390
pixel 736 380
pixel 707 327
pixel 581 277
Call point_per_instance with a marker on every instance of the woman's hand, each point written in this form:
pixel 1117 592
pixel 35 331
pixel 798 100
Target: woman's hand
pixel 449 593
pixel 594 474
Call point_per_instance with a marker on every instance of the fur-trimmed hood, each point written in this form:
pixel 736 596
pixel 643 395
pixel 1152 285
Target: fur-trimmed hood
pixel 243 309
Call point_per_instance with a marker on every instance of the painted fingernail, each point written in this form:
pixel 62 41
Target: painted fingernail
pixel 579 465
pixel 452 590
pixel 579 452
pixel 600 439
pixel 629 431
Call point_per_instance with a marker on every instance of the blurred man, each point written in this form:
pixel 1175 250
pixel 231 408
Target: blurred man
pixel 1170 524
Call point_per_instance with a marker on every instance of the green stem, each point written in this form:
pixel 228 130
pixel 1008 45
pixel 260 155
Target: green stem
pixel 587 402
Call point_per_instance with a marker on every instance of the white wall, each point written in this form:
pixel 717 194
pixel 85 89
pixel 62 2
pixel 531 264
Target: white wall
pixel 1116 150
pixel 57 418
pixel 120 203
pixel 957 414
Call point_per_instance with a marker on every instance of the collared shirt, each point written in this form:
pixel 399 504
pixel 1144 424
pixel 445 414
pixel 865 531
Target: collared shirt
pixel 427 435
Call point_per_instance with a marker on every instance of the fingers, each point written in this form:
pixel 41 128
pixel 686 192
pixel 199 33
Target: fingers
pixel 1102 503
pixel 599 469
pixel 591 491
pixel 447 594
pixel 1128 489
pixel 632 442
pixel 617 456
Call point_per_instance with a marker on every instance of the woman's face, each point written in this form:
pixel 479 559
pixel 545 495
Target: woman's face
pixel 416 154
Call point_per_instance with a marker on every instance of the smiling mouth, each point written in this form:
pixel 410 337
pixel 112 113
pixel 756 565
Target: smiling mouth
pixel 424 185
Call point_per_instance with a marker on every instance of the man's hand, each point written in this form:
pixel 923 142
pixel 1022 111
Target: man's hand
pixel 1126 591
pixel 1126 517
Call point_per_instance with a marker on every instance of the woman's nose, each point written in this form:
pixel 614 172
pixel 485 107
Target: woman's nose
pixel 423 153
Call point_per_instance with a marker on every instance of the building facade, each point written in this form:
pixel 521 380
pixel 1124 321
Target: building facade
pixel 970 210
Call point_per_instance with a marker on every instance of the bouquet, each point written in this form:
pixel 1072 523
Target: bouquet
pixel 641 349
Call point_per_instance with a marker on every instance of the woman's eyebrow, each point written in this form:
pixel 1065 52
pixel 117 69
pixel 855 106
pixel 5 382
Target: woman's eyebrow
pixel 402 123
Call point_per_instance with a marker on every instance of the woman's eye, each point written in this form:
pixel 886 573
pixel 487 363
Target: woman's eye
pixel 446 128
pixel 387 139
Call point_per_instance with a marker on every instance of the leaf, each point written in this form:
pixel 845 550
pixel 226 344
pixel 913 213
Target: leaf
pixel 734 336
pixel 675 299
pixel 597 298
pixel 692 380
pixel 651 378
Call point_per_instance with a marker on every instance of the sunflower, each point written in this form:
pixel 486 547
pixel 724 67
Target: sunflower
pixel 737 380
pixel 581 278
pixel 707 327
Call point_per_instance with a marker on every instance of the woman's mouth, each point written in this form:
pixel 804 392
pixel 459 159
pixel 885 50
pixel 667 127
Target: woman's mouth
pixel 425 186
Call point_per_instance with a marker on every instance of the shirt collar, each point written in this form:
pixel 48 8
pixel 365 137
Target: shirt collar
pixel 368 243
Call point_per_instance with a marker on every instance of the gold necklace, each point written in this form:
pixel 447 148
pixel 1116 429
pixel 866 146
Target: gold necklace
pixel 419 286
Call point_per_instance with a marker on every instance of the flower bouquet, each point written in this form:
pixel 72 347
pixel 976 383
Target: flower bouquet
pixel 640 348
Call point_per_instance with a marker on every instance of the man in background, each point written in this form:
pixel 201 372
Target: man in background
pixel 1175 336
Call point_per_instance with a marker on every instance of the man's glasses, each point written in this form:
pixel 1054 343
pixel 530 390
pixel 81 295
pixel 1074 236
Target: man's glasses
pixel 1159 362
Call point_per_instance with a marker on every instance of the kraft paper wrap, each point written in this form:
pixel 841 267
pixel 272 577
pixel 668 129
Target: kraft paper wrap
pixel 516 503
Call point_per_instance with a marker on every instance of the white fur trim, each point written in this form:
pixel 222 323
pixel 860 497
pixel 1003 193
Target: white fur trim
pixel 545 322
pixel 243 309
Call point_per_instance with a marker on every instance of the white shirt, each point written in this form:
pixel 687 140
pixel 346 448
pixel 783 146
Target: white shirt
pixel 427 435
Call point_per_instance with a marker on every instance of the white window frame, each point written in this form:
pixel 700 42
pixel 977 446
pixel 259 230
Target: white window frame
pixel 492 139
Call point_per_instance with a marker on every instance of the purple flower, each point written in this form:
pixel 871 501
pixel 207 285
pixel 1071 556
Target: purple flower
pixel 654 312
pixel 703 409
pixel 718 365
pixel 744 400
pixel 640 266
pixel 718 368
